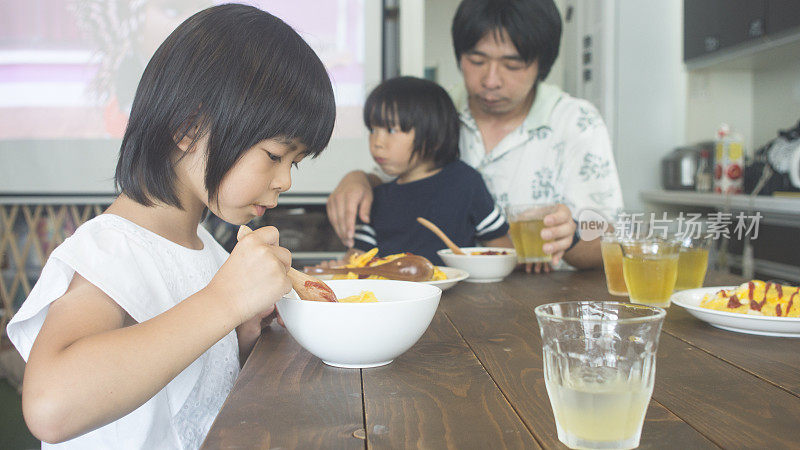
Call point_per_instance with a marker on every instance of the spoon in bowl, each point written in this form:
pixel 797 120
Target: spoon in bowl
pixel 405 268
pixel 306 286
pixel 438 232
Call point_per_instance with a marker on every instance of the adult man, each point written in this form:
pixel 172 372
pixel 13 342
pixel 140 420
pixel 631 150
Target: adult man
pixel 531 142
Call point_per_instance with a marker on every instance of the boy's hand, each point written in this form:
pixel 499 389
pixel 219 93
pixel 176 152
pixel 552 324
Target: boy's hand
pixel 353 195
pixel 254 276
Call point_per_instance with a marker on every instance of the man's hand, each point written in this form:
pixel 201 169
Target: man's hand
pixel 353 195
pixel 558 234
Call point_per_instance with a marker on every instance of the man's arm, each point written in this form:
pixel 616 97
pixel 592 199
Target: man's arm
pixel 585 255
pixel 353 195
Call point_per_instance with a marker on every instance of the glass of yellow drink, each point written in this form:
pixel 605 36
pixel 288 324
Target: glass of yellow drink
pixel 692 262
pixel 599 367
pixel 526 223
pixel 612 265
pixel 650 269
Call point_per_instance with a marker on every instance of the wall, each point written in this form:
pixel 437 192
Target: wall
pixel 715 97
pixel 756 103
pixel 650 87
pixel 776 101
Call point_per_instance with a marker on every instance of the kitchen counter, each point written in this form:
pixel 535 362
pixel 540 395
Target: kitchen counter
pixel 474 380
pixel 777 210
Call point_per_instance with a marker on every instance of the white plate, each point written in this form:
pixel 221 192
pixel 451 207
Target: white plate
pixel 743 323
pixel 453 276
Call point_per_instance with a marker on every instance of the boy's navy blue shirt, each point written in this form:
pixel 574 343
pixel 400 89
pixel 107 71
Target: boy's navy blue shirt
pixel 455 199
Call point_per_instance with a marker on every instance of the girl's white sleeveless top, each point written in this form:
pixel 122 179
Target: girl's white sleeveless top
pixel 146 275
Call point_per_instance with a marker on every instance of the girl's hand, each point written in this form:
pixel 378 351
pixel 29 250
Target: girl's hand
pixel 254 276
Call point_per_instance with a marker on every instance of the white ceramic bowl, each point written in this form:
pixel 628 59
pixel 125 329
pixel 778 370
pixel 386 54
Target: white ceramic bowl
pixel 481 268
pixel 359 335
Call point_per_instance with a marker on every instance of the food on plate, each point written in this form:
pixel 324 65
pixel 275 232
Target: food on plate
pixel 756 298
pixel 369 259
pixel 363 297
pixel 489 252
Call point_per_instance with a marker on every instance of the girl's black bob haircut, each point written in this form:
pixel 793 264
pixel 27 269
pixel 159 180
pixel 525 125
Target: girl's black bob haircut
pixel 421 105
pixel 534 27
pixel 234 73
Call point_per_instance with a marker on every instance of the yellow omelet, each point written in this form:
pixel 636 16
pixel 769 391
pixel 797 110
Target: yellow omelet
pixel 363 297
pixel 757 298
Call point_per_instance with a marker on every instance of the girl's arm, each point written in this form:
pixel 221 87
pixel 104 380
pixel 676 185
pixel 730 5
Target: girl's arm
pixel 87 368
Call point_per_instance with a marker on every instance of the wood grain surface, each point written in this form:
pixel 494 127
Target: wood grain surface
pixel 474 380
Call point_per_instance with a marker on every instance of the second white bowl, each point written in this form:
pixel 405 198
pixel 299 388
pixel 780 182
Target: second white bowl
pixel 481 268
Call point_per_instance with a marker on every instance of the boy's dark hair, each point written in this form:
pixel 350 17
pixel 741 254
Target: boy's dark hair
pixel 422 105
pixel 534 27
pixel 233 72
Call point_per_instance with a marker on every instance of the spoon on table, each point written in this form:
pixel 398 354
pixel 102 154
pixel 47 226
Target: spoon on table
pixel 306 286
pixel 405 268
pixel 438 232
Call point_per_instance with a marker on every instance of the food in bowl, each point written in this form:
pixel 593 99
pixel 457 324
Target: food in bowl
pixel 756 298
pixel 369 259
pixel 363 297
pixel 360 335
pixel 490 252
pixel 483 267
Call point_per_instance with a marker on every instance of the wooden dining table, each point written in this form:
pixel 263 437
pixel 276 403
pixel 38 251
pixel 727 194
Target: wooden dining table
pixel 474 380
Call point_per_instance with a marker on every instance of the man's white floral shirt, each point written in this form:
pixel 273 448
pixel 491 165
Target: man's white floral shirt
pixel 560 154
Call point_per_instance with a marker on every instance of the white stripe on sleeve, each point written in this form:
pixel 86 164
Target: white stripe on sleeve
pixel 497 224
pixel 490 219
pixel 365 238
pixel 366 229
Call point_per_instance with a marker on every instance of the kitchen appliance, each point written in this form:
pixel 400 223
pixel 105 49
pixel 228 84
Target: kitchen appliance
pixel 776 165
pixel 679 167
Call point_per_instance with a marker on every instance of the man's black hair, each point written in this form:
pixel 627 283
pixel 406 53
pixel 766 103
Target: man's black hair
pixel 234 73
pixel 421 105
pixel 534 27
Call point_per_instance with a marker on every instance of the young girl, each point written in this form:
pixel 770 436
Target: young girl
pixel 414 137
pixel 134 333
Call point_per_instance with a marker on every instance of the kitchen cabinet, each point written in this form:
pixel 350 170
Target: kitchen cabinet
pixel 718 29
pixel 713 25
pixel 782 15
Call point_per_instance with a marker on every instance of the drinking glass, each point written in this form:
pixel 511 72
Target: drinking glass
pixel 692 262
pixel 526 223
pixel 599 367
pixel 612 265
pixel 650 269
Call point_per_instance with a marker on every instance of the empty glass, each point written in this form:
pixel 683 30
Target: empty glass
pixel 599 367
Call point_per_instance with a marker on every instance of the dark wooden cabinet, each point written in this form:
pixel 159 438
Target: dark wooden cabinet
pixel 714 25
pixel 782 15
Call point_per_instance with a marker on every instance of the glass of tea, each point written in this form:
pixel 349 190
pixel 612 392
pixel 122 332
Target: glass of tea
pixel 599 363
pixel 526 223
pixel 612 264
pixel 650 269
pixel 692 262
